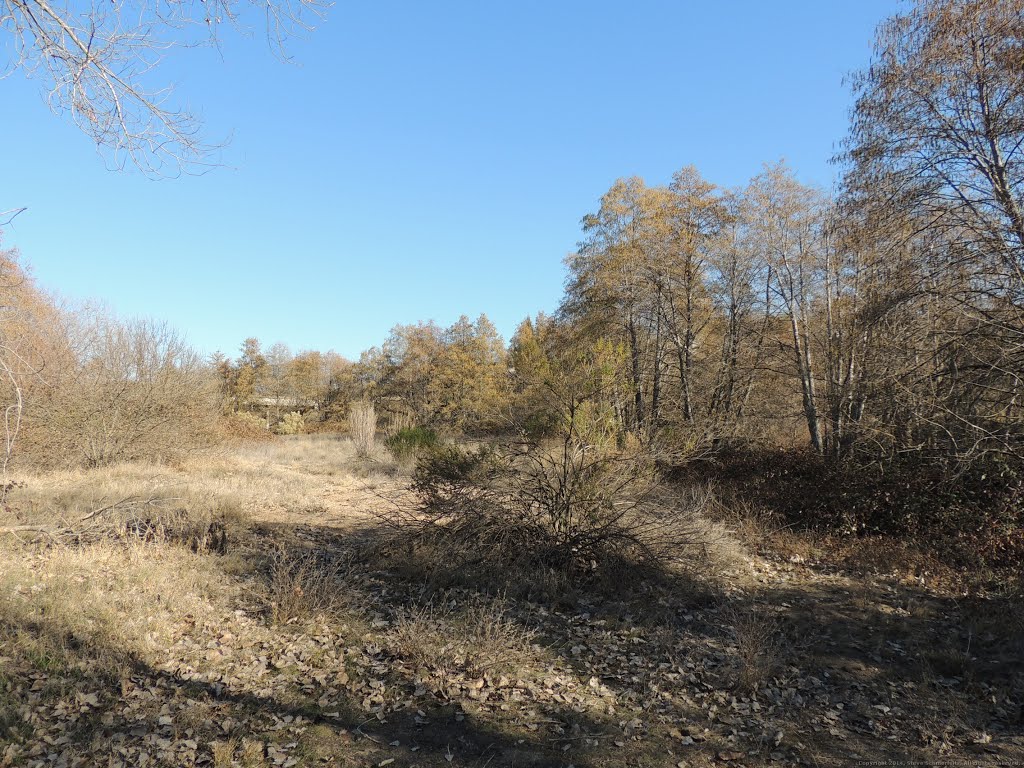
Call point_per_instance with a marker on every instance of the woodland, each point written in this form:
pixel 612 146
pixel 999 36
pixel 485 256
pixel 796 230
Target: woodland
pixel 752 495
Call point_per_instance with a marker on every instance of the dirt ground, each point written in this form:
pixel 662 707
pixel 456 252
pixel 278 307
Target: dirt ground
pixel 128 640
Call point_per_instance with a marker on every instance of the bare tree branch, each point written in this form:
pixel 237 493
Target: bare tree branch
pixel 96 61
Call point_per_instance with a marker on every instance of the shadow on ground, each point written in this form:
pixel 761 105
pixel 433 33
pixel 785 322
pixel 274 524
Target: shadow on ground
pixel 805 668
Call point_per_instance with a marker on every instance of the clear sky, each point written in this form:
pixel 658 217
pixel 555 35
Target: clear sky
pixel 424 160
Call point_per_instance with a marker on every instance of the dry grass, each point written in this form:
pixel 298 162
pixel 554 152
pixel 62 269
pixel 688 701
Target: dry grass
pixel 950 660
pixel 453 640
pixel 221 485
pixel 103 602
pixel 756 529
pixel 98 612
pixel 69 495
pixel 304 586
pixel 326 454
pixel 243 753
pixel 297 619
pixel 362 428
pixel 722 551
pixel 119 580
pixel 330 455
pixel 758 647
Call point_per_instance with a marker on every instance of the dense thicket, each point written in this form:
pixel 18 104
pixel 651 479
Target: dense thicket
pixel 934 189
pixel 81 387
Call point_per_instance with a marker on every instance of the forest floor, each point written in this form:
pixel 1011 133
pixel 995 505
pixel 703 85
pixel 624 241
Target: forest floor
pixel 138 637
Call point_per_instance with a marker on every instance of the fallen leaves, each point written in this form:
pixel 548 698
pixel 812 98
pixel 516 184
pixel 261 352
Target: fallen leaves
pixel 568 683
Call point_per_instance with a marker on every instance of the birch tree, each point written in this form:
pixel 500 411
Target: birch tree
pixel 787 217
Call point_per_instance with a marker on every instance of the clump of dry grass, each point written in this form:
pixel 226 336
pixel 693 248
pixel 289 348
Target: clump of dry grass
pixel 950 658
pixel 302 586
pixel 720 552
pixel 247 753
pixel 758 645
pixel 471 641
pixel 399 421
pixel 362 426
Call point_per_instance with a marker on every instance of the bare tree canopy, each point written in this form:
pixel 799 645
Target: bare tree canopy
pixel 96 59
pixel 940 118
pixel 936 168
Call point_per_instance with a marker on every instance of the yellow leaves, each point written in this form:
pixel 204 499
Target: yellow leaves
pixel 457 375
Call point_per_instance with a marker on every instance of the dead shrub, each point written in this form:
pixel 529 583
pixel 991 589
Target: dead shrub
pixel 580 509
pixel 243 426
pixel 758 646
pixel 303 585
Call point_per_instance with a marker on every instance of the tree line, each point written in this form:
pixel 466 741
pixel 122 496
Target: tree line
pixel 879 320
pixel 451 379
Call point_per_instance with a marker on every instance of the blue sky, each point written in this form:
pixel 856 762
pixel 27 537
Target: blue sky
pixel 423 160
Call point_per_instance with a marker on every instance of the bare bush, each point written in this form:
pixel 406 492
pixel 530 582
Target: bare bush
pixel 243 426
pixel 579 505
pixel 27 344
pixel 758 648
pixel 124 390
pixel 362 427
pixel 302 586
pixel 81 388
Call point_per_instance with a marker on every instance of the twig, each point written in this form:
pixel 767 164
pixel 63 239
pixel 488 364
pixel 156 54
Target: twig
pixel 6 217
pixel 152 501
pixel 107 508
pixel 27 528
pixel 67 530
